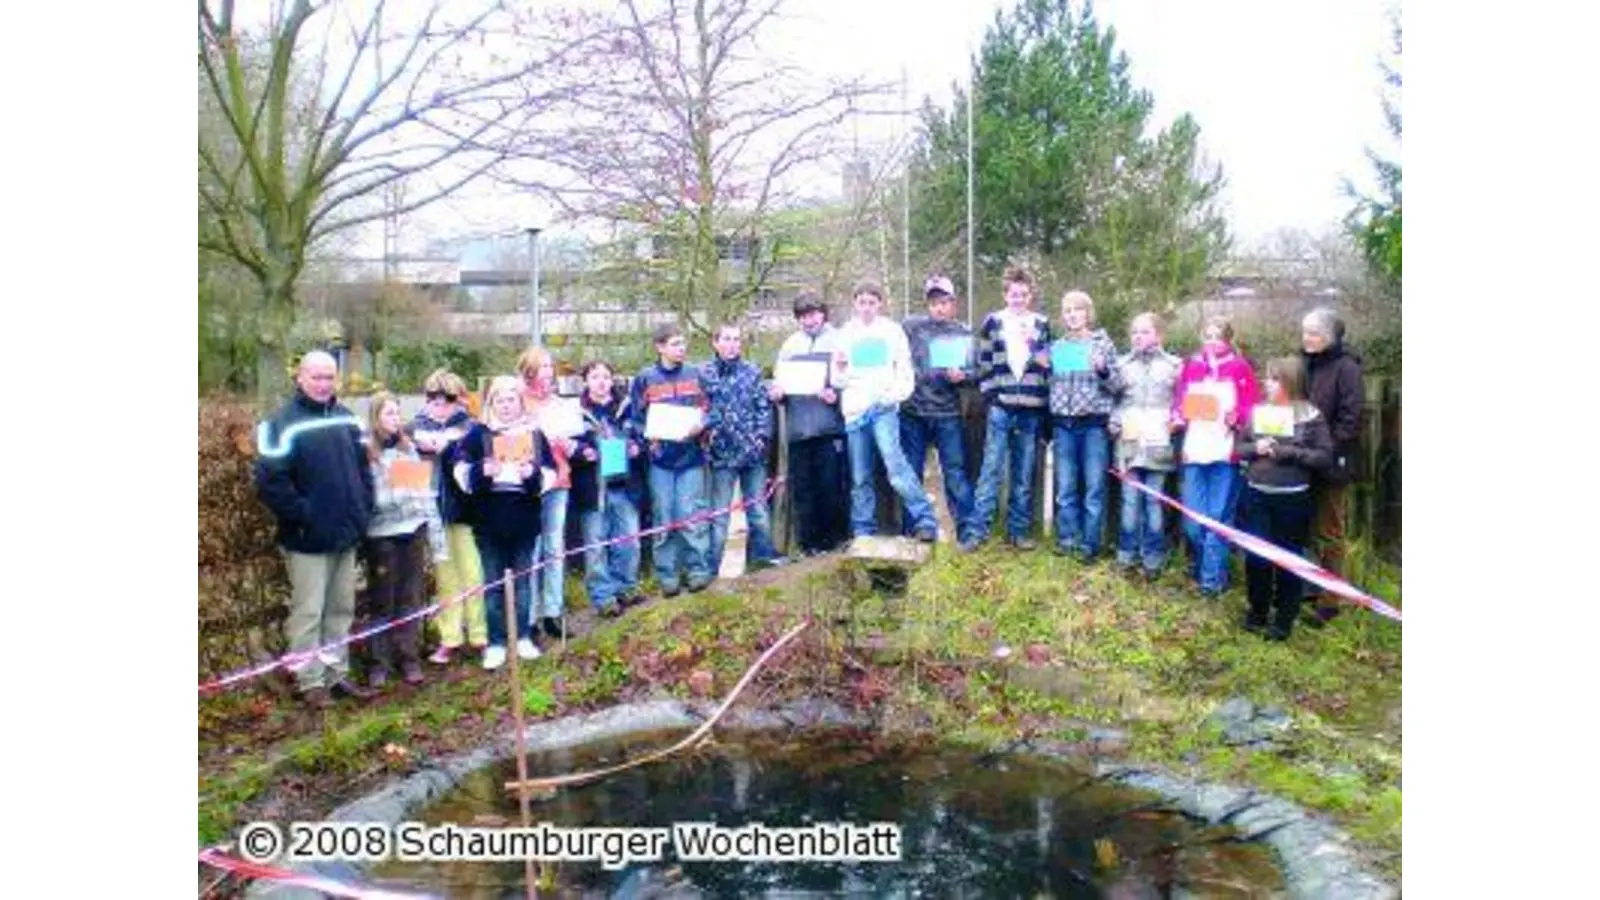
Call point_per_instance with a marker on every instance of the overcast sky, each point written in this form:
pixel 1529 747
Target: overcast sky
pixel 1286 92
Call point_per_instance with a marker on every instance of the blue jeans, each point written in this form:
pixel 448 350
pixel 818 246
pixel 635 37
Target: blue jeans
pixel 882 434
pixel 1145 540
pixel 752 482
pixel 675 496
pixel 497 555
pixel 1083 451
pixel 1213 489
pixel 1016 431
pixel 944 433
pixel 553 547
pixel 613 571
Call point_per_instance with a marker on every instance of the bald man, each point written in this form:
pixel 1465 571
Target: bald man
pixel 312 472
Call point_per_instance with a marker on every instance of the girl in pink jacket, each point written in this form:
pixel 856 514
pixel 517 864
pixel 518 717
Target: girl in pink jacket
pixel 1216 391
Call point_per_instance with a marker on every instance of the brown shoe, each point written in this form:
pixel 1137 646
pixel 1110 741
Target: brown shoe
pixel 377 679
pixel 344 687
pixel 412 675
pixel 316 698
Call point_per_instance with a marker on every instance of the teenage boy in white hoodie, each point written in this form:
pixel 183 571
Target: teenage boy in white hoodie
pixel 877 376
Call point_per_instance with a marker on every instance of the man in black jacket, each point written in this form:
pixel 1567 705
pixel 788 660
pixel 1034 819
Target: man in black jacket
pixel 312 473
pixel 1334 386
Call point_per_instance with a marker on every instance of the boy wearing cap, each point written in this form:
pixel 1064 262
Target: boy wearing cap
pixel 933 414
pixel 813 433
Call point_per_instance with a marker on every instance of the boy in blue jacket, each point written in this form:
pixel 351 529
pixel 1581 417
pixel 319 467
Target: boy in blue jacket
pixel 739 422
pixel 677 465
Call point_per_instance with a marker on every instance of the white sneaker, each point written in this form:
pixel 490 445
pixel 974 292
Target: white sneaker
pixel 526 649
pixel 494 657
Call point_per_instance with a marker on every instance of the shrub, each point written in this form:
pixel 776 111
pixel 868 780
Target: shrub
pixel 243 582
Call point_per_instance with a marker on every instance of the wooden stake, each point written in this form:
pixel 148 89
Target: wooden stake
pixel 516 716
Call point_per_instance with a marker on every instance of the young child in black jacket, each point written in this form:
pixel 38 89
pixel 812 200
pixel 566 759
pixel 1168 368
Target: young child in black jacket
pixel 504 513
pixel 608 505
pixel 1286 442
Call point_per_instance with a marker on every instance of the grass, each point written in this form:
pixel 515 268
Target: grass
pixel 1089 648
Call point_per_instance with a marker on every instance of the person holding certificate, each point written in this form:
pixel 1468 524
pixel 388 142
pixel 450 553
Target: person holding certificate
pixel 501 463
pixel 1285 453
pixel 875 358
pixel 438 430
pixel 1084 382
pixel 1142 425
pixel 606 493
pixel 1014 375
pixel 941 352
pixel 404 518
pixel 814 429
pixel 1215 394
pixel 669 405
pixel 739 426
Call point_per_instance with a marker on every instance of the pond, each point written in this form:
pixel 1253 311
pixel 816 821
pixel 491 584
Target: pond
pixel 970 824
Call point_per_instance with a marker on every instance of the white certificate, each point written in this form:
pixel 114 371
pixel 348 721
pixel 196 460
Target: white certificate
pixel 1207 442
pixel 801 377
pixel 561 417
pixel 1146 426
pixel 670 422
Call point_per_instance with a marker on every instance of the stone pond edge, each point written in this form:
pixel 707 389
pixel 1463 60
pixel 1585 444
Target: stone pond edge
pixel 1318 860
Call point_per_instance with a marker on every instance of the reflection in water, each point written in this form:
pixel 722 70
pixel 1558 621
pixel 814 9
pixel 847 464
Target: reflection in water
pixel 971 826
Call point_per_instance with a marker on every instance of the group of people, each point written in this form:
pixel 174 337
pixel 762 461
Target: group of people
pixel 487 495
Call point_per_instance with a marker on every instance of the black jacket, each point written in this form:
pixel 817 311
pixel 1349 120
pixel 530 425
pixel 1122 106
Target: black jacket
pixel 1295 461
pixel 1333 385
pixel 613 420
pixel 501 511
pixel 936 396
pixel 312 473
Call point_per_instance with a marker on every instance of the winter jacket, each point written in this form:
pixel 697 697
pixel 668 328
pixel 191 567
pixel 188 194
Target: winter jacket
pixel 311 471
pixel 1230 367
pixel 811 417
pixel 1092 394
pixel 610 420
pixel 680 386
pixel 508 512
pixel 864 389
pixel 935 395
pixel 1148 381
pixel 1333 384
pixel 398 511
pixel 996 379
pixel 740 416
pixel 1295 461
pixel 455 428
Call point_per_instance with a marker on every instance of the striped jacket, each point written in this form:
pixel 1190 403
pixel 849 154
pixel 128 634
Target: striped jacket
pixel 999 384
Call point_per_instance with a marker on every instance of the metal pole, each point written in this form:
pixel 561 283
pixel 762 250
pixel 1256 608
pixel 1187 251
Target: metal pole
pixel 533 298
pixel 905 197
pixel 972 288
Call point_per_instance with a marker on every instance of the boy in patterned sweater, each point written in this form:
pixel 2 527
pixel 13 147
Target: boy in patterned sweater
pixel 1013 373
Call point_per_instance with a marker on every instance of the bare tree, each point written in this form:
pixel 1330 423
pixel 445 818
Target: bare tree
pixel 327 105
pixel 685 139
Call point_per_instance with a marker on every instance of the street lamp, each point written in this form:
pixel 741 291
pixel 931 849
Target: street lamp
pixel 533 281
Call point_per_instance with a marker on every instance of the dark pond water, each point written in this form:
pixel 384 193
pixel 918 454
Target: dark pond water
pixel 970 825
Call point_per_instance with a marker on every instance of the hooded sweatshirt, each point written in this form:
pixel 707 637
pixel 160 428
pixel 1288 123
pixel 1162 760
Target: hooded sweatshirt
pixel 935 395
pixel 1149 381
pixel 1228 367
pixel 1295 460
pixel 811 417
pixel 1091 394
pixel 874 387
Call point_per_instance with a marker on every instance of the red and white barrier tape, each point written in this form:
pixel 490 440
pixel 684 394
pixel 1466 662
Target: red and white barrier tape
pixel 290 659
pixel 1272 553
pixel 214 857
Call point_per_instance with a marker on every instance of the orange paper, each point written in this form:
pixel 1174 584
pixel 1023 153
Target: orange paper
pixel 1199 407
pixel 411 475
pixel 513 448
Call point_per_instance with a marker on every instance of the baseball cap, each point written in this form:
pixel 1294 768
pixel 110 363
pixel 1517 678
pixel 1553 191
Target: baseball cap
pixel 938 284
